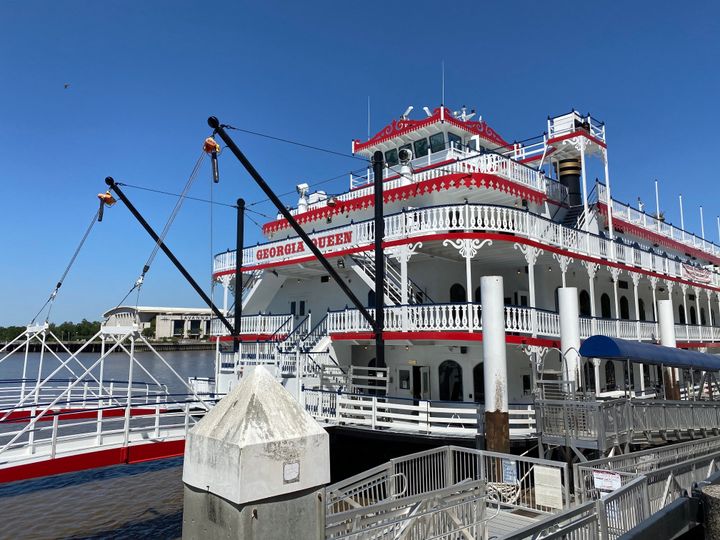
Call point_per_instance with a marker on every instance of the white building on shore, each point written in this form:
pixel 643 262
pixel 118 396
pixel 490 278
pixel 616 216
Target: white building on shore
pixel 164 322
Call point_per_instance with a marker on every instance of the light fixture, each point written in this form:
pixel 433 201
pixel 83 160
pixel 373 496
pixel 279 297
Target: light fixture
pixel 341 262
pixel 549 268
pixel 407 347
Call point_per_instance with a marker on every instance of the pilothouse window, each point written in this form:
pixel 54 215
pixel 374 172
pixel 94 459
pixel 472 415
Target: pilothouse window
pixel 391 157
pixel 437 142
pixel 421 148
pixel 454 141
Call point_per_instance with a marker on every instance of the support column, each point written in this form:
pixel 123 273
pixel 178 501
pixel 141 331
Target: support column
pixel 497 423
pixel 667 339
pixel 592 269
pixel 684 288
pixel 564 262
pixel 615 274
pixel 468 248
pixel 402 255
pixel 639 368
pixel 531 254
pixel 653 285
pixel 570 333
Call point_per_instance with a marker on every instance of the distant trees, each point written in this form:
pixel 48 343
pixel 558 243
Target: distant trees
pixel 67 331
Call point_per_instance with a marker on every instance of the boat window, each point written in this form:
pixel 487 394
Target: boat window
pixel 293 308
pixel 450 374
pixel 693 316
pixel 457 293
pixel 605 311
pixel 479 383
pixel 703 319
pixel 421 148
pixel 472 144
pixel 391 157
pixel 681 314
pixel 437 142
pixel 624 308
pixel 610 375
pixel 478 295
pixel 641 309
pixel 302 307
pixel 454 141
pixel 371 299
pixel 585 310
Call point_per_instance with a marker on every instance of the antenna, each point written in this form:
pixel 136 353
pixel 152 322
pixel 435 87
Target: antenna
pixel 368 137
pixel 442 65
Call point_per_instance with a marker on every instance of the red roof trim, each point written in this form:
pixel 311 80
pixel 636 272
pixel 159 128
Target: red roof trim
pixel 402 127
pixel 575 134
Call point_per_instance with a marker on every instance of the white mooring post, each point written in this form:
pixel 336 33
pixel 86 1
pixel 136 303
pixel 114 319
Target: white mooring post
pixel 666 322
pixel 497 423
pixel 255 467
pixel 570 333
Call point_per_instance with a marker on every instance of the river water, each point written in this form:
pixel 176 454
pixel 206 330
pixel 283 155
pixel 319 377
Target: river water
pixel 130 501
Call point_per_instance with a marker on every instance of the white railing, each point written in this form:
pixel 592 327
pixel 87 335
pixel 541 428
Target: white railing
pixel 463 162
pixel 253 324
pixel 518 320
pixel 633 216
pixel 461 419
pixel 463 218
pixel 574 122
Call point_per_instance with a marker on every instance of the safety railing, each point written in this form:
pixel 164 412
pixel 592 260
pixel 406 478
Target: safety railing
pixel 472 217
pixel 86 393
pixel 381 412
pixel 633 216
pixel 514 483
pixel 263 324
pixel 574 122
pixel 602 425
pixel 74 432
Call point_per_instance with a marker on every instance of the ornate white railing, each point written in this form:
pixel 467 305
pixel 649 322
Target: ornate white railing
pixel 633 216
pixel 253 324
pixel 518 320
pixel 463 218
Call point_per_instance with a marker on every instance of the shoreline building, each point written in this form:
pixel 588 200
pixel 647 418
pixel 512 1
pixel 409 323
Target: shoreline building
pixel 164 322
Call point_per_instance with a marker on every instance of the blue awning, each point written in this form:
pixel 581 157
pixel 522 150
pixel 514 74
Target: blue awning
pixel 647 353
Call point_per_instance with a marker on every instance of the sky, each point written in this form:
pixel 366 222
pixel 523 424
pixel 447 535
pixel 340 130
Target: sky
pixel 144 76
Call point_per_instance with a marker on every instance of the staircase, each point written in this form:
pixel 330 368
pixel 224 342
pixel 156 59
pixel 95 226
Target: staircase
pixel 364 266
pixel 572 217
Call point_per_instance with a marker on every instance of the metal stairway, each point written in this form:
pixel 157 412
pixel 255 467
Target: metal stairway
pixel 364 266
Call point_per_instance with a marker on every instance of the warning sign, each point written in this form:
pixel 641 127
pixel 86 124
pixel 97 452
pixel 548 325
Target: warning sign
pixel 606 480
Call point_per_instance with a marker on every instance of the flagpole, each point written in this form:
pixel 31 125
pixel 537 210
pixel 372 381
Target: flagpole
pixel 682 218
pixel 657 205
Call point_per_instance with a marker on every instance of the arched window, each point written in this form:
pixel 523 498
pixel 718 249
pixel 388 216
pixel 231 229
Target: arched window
pixel 624 308
pixel 585 309
pixel 681 314
pixel 478 295
pixel 450 380
pixel 457 293
pixel 605 311
pixel 479 383
pixel 641 309
pixel 557 299
pixel 693 316
pixel 703 319
pixel 371 299
pixel 610 383
pixel 589 378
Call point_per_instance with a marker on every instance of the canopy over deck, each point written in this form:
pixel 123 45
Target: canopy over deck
pixel 645 353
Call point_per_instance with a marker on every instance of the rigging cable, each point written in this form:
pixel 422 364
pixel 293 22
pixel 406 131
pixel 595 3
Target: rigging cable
pixel 161 238
pixel 54 293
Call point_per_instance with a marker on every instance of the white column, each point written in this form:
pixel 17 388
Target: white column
pixel 564 262
pixel 685 309
pixel 592 269
pixel 653 285
pixel 494 349
pixel 698 319
pixel 611 230
pixel 639 369
pixel 667 339
pixel 531 254
pixel 570 332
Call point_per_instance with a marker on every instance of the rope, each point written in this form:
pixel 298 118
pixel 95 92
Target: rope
pixel 54 293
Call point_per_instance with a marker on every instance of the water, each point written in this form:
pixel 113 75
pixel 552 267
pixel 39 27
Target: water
pixel 128 501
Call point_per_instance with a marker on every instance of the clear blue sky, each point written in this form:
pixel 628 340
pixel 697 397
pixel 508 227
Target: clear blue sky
pixel 144 77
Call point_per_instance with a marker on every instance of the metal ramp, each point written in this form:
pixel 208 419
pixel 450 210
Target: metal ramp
pixel 449 492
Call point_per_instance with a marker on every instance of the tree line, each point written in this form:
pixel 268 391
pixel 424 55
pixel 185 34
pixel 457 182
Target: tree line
pixel 67 331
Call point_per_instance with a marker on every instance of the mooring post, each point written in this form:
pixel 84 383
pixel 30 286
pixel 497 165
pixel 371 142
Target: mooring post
pixel 255 467
pixel 570 333
pixel 378 169
pixel 666 322
pixel 497 421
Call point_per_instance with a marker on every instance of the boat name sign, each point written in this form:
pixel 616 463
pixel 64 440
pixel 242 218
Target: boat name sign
pixel 298 246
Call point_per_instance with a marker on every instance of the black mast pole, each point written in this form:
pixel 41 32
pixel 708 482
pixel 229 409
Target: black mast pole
pixel 240 246
pixel 116 188
pixel 378 168
pixel 218 128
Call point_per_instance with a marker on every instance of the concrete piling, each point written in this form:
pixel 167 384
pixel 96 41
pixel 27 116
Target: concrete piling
pixel 255 467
